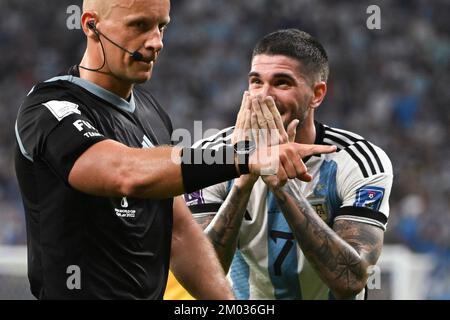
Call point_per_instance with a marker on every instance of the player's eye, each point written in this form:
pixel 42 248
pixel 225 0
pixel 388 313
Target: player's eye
pixel 255 81
pixel 282 83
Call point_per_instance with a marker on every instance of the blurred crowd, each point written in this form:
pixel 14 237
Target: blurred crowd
pixel 389 85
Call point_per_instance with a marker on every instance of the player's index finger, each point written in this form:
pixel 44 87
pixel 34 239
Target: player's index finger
pixel 310 149
pixel 244 103
pixel 247 121
pixel 244 106
pixel 244 126
pixel 318 148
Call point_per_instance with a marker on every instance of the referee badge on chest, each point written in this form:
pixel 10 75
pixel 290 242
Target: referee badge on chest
pixel 320 206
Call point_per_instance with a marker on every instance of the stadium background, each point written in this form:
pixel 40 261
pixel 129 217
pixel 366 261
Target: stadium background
pixel 389 85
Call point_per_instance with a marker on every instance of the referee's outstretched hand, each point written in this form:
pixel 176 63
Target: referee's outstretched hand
pixel 285 161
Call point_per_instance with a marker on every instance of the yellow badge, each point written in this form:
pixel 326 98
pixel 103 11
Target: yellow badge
pixel 320 206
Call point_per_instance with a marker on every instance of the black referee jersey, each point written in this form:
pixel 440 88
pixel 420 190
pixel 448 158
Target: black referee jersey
pixel 82 246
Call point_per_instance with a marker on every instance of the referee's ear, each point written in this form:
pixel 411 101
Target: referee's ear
pixel 319 92
pixel 86 19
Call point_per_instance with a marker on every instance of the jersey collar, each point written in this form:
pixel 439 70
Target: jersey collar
pixel 320 132
pixel 100 92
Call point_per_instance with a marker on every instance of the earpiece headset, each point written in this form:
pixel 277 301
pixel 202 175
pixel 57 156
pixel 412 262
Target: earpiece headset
pixel 135 55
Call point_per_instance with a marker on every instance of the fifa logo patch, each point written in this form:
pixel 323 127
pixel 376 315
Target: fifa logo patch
pixel 369 197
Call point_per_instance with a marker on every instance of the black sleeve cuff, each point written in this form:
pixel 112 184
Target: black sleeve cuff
pixel 364 214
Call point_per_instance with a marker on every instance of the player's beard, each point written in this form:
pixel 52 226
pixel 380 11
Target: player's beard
pixel 301 115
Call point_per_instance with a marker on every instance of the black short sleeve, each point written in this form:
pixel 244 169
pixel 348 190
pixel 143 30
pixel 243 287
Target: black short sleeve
pixel 56 132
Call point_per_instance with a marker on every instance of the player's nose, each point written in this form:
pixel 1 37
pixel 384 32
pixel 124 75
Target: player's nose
pixel 264 91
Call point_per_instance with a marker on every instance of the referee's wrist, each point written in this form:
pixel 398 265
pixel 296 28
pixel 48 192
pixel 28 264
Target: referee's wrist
pixel 201 168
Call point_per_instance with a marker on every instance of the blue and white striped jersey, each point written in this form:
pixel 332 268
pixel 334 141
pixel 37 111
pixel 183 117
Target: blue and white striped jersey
pixel 354 184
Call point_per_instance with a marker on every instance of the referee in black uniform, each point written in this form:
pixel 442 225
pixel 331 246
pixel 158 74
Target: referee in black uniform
pixel 97 176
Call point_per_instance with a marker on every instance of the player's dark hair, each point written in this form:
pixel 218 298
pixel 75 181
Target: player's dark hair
pixel 299 45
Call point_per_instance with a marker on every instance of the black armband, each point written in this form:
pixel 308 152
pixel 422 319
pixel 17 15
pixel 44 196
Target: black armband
pixel 201 168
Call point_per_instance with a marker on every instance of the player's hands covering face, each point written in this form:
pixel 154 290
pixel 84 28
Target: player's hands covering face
pixel 282 159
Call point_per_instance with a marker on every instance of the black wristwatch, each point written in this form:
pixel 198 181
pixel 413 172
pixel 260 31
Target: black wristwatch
pixel 243 150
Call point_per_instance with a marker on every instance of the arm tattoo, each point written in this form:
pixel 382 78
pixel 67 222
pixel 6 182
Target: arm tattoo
pixel 366 239
pixel 204 221
pixel 340 256
pixel 223 230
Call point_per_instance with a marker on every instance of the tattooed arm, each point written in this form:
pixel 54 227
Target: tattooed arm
pixel 342 255
pixel 223 228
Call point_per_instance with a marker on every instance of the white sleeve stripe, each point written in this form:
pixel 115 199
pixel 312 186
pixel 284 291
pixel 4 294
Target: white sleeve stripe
pixel 363 153
pixel 374 157
pixel 21 146
pixel 346 138
pixel 374 153
pixel 366 156
pixel 334 143
pixel 363 220
pixel 339 138
pixel 351 135
pixel 358 161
